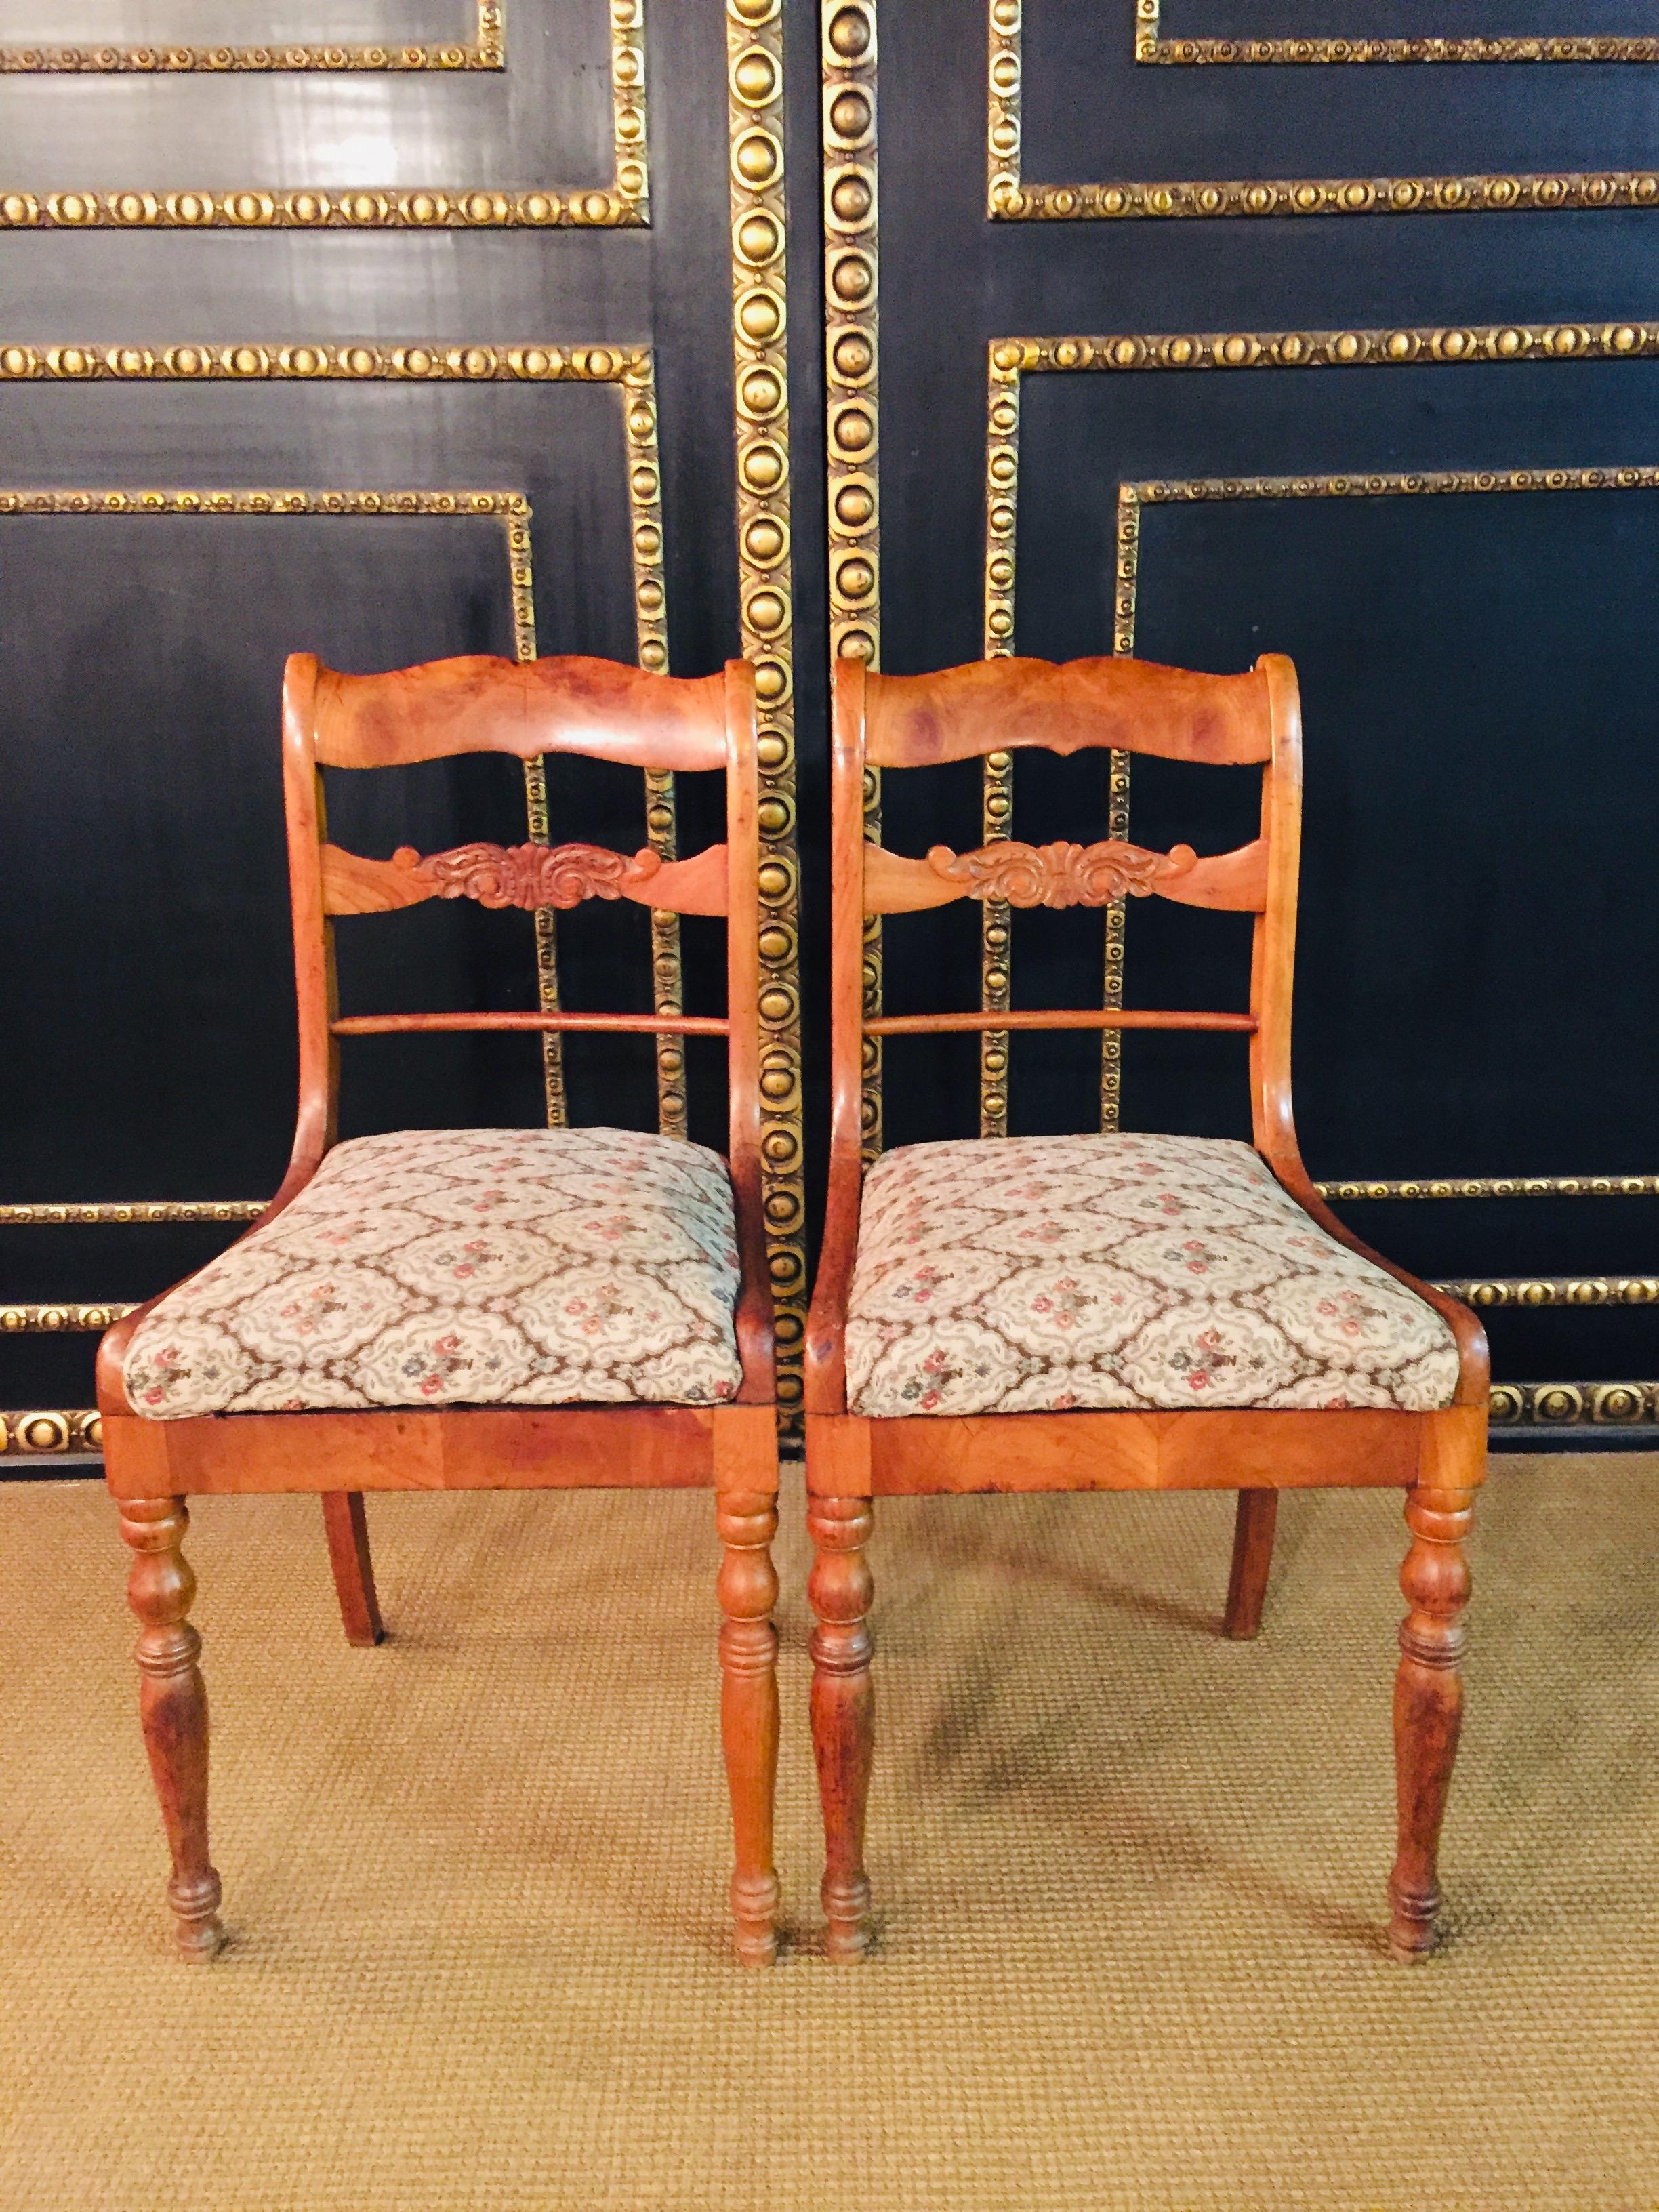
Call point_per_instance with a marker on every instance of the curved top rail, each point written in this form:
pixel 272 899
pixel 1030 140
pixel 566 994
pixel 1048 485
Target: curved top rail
pixel 994 706
pixel 479 703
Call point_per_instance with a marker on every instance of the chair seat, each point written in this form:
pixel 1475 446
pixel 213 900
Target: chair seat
pixel 1043 1274
pixel 464 1267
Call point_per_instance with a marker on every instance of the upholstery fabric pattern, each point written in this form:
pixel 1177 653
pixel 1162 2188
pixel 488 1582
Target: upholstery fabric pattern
pixel 1041 1275
pixel 464 1267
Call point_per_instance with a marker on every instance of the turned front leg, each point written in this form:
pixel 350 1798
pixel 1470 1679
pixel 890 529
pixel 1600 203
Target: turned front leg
pixel 843 1710
pixel 748 1589
pixel 1428 1705
pixel 173 1706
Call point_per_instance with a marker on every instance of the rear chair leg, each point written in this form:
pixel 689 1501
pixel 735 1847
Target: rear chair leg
pixel 1428 1705
pixel 354 1569
pixel 1253 1558
pixel 173 1706
pixel 843 1707
pixel 748 1589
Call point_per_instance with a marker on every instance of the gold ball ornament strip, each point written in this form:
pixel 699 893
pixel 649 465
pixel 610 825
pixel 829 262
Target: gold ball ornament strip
pixel 1556 1290
pixel 848 37
pixel 46 1434
pixel 484 50
pixel 1568 1186
pixel 413 208
pixel 651 646
pixel 1452 344
pixel 61 1319
pixel 997 770
pixel 1010 198
pixel 755 109
pixel 1574 1405
pixel 510 506
pixel 128 1212
pixel 319 361
pixel 1379 484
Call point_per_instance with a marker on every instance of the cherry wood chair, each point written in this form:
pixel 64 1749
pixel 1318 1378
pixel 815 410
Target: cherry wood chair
pixel 1112 1312
pixel 475 1310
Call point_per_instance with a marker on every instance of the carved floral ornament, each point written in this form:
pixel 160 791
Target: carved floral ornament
pixel 1012 874
pixel 528 875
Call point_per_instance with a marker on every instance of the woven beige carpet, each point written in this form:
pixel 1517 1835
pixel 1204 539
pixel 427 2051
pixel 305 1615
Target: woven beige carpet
pixel 1131 1874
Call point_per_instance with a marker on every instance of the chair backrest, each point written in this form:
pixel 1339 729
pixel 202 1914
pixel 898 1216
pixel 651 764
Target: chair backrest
pixel 599 709
pixel 993 706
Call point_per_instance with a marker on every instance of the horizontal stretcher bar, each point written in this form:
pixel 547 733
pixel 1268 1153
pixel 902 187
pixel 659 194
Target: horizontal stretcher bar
pixel 1087 1017
pixel 399 1024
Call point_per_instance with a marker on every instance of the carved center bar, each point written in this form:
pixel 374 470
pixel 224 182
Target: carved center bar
pixel 1061 874
pixel 528 876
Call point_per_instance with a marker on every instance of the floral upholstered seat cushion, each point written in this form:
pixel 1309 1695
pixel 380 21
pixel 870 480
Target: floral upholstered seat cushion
pixel 464 1267
pixel 1043 1274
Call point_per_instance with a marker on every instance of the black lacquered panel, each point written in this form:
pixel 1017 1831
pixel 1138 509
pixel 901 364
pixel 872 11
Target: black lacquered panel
pixel 1092 113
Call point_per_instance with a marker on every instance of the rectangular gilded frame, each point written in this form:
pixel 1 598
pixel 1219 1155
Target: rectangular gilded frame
pixel 483 48
pixel 624 203
pixel 630 370
pixel 1011 199
pixel 1622 1405
pixel 1151 45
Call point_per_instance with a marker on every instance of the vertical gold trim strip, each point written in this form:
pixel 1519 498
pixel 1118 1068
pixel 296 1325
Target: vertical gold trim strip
pixel 1117 821
pixel 536 816
pixel 637 385
pixel 651 634
pixel 997 790
pixel 853 376
pixel 754 42
pixel 631 176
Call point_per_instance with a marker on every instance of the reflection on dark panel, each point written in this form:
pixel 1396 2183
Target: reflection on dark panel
pixel 545 121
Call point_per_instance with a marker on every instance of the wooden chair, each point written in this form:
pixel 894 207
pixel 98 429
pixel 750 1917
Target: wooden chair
pixel 943 1353
pixel 474 1309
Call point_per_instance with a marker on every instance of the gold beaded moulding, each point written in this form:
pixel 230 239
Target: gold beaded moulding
pixel 51 1435
pixel 1574 1405
pixel 624 203
pixel 848 32
pixel 758 214
pixel 484 49
pixel 58 1320
pixel 1011 199
pixel 1151 45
